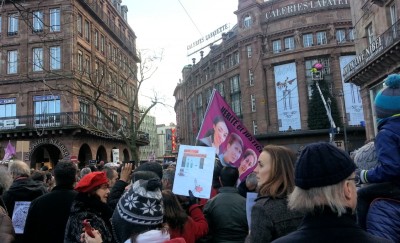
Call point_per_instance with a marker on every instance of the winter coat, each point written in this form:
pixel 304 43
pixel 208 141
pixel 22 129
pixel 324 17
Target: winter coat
pixel 271 219
pixel 22 189
pixel 387 144
pixel 91 208
pixel 7 234
pixel 384 219
pixel 325 226
pixel 48 216
pixel 226 216
pixel 195 227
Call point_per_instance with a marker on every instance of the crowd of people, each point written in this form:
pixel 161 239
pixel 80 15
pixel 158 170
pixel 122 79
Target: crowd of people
pixel 321 194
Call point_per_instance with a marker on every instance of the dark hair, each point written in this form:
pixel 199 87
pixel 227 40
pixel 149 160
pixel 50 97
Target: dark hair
pixel 65 173
pixel 38 175
pixel 210 132
pixel 48 176
pixel 234 137
pixel 229 176
pixel 143 175
pixel 281 180
pixel 151 166
pixel 174 215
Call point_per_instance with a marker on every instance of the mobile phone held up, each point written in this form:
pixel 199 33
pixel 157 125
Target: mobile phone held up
pixel 88 228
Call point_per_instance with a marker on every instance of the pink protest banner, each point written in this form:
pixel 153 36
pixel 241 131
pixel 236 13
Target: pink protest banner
pixel 223 130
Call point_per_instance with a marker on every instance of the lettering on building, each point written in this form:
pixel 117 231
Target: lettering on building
pixel 43 141
pixel 303 7
pixel 208 36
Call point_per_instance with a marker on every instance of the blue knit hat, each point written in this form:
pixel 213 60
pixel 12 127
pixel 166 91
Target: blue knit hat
pixel 387 101
pixel 322 164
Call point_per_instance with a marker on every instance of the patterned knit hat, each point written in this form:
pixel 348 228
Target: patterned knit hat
pixel 139 209
pixel 387 101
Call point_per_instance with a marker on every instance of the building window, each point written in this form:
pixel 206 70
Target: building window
pixel 87 65
pixel 341 35
pixel 80 61
pixel 37 21
pixel 220 88
pixel 370 34
pixel 276 46
pixel 84 113
pixel 208 95
pixel 13 24
pixel 55 57
pixel 37 58
pixel 12 62
pixel 351 34
pixel 235 95
pixel 251 78
pixel 87 31
pixel 249 51
pixel 393 13
pixel 102 43
pixel 255 129
pixel 247 21
pixel 308 40
pixel 79 24
pixel 114 117
pixel 253 103
pixel 289 43
pixel 8 107
pixel 200 108
pixel 96 39
pixel 0 25
pixel 55 19
pixel 321 38
pixel 99 119
pixel 236 58
pixel 47 110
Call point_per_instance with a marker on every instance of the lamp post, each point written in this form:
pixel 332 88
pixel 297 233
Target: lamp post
pixel 341 94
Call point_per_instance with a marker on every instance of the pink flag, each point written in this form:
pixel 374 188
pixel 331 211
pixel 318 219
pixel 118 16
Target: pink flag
pixel 9 151
pixel 223 130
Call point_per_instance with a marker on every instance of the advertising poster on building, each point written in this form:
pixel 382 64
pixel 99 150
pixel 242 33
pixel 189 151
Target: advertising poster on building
pixel 233 143
pixel 287 97
pixel 194 171
pixel 168 138
pixel 352 96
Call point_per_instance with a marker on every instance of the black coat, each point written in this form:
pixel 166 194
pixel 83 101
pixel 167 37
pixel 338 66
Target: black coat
pixel 48 216
pixel 91 208
pixel 327 227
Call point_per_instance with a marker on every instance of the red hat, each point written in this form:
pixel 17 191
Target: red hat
pixel 91 181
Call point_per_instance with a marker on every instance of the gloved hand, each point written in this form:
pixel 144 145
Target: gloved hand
pixel 361 176
pixel 192 199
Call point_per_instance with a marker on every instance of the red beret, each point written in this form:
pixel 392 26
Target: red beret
pixel 91 181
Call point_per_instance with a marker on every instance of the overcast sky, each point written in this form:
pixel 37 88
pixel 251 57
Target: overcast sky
pixel 164 25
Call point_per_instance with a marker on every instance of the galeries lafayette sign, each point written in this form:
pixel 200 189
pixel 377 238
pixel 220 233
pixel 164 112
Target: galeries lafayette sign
pixel 304 6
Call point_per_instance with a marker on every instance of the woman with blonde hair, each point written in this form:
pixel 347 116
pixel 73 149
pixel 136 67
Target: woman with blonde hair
pixel 270 216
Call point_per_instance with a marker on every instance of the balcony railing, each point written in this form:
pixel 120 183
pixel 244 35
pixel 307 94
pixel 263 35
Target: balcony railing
pixel 381 44
pixel 63 121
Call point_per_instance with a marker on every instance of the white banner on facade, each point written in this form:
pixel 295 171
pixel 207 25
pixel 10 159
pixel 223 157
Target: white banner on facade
pixel 352 96
pixel 115 154
pixel 287 97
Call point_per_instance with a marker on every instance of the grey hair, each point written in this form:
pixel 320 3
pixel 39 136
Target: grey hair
pixel 19 168
pixel 5 179
pixel 308 200
pixel 85 171
pixel 252 179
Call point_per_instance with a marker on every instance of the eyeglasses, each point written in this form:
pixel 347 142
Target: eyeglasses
pixel 355 179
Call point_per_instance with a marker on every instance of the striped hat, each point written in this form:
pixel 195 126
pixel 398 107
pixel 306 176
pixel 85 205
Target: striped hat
pixel 387 101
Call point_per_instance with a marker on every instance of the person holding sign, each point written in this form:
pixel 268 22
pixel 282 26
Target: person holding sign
pixel 216 135
pixel 233 151
pixel 270 216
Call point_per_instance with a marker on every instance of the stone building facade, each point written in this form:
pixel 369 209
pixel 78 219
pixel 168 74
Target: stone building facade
pixel 377 47
pixel 262 69
pixel 54 56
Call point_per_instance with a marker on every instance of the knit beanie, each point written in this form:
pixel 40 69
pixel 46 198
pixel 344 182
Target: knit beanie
pixel 322 164
pixel 387 101
pixel 151 166
pixel 139 209
pixel 91 181
pixel 365 157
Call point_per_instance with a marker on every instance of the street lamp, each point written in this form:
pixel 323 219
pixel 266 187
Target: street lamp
pixel 341 94
pixel 317 76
